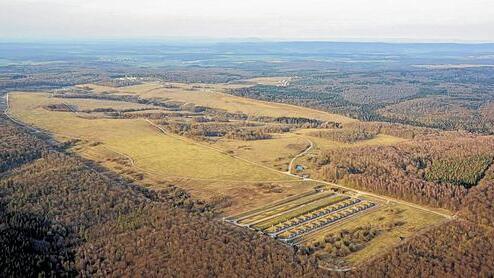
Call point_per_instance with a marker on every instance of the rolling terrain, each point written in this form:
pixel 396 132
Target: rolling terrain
pixel 293 159
pixel 238 174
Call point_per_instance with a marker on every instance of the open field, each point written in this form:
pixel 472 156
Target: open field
pixel 211 95
pixel 307 220
pixel 272 81
pixel 250 175
pixel 150 149
pixel 160 156
pixel 252 213
pixel 306 209
pixel 275 153
pixel 253 219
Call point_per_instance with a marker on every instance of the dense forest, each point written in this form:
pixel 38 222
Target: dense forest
pixel 455 249
pixel 449 99
pixel 359 131
pixel 478 205
pixel 62 215
pixel 17 147
pixel 435 170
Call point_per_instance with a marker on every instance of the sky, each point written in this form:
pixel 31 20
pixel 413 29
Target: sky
pixel 365 20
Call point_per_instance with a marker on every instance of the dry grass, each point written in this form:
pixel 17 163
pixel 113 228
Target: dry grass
pixel 271 81
pixel 410 221
pixel 150 149
pixel 272 211
pixel 275 153
pixel 301 211
pixel 211 95
pixel 162 157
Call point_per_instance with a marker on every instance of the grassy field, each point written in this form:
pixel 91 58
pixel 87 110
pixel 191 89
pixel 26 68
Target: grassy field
pixel 211 95
pixel 149 148
pixel 153 153
pixel 396 223
pixel 275 153
pixel 272 211
pixel 247 173
pixel 325 202
pixel 260 210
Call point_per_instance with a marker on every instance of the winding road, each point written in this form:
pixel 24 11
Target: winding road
pixel 359 192
pixel 308 149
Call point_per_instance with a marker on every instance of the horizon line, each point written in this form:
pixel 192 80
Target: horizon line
pixel 192 39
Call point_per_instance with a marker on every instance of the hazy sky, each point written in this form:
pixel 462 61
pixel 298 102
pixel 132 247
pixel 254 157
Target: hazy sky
pixel 440 20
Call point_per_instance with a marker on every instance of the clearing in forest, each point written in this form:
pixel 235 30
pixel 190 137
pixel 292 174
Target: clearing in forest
pixel 161 156
pixel 232 150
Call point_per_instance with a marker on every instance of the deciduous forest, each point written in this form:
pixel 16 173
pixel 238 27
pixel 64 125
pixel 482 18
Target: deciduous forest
pixel 62 215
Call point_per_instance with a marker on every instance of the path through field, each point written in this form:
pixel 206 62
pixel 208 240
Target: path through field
pixel 307 150
pixel 387 199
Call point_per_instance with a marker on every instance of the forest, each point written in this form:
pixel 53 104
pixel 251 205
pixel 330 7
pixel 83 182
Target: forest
pixel 448 99
pixel 435 170
pixel 455 249
pixel 65 216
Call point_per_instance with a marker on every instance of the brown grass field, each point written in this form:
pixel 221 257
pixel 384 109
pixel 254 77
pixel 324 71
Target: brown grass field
pixel 396 223
pixel 250 174
pixel 211 95
pixel 159 156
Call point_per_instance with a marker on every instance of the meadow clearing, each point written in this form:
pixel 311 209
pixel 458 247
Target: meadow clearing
pixel 157 155
pixel 309 219
pixel 248 174
pixel 212 95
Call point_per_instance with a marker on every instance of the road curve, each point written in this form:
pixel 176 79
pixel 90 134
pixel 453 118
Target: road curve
pixel 290 166
pixel 389 199
pixel 6 113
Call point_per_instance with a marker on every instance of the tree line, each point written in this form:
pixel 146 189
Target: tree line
pixel 60 215
pixel 432 170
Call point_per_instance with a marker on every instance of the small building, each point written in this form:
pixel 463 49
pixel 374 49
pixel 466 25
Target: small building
pixel 299 168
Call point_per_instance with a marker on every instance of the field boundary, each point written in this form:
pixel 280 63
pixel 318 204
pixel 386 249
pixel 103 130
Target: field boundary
pixel 360 192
